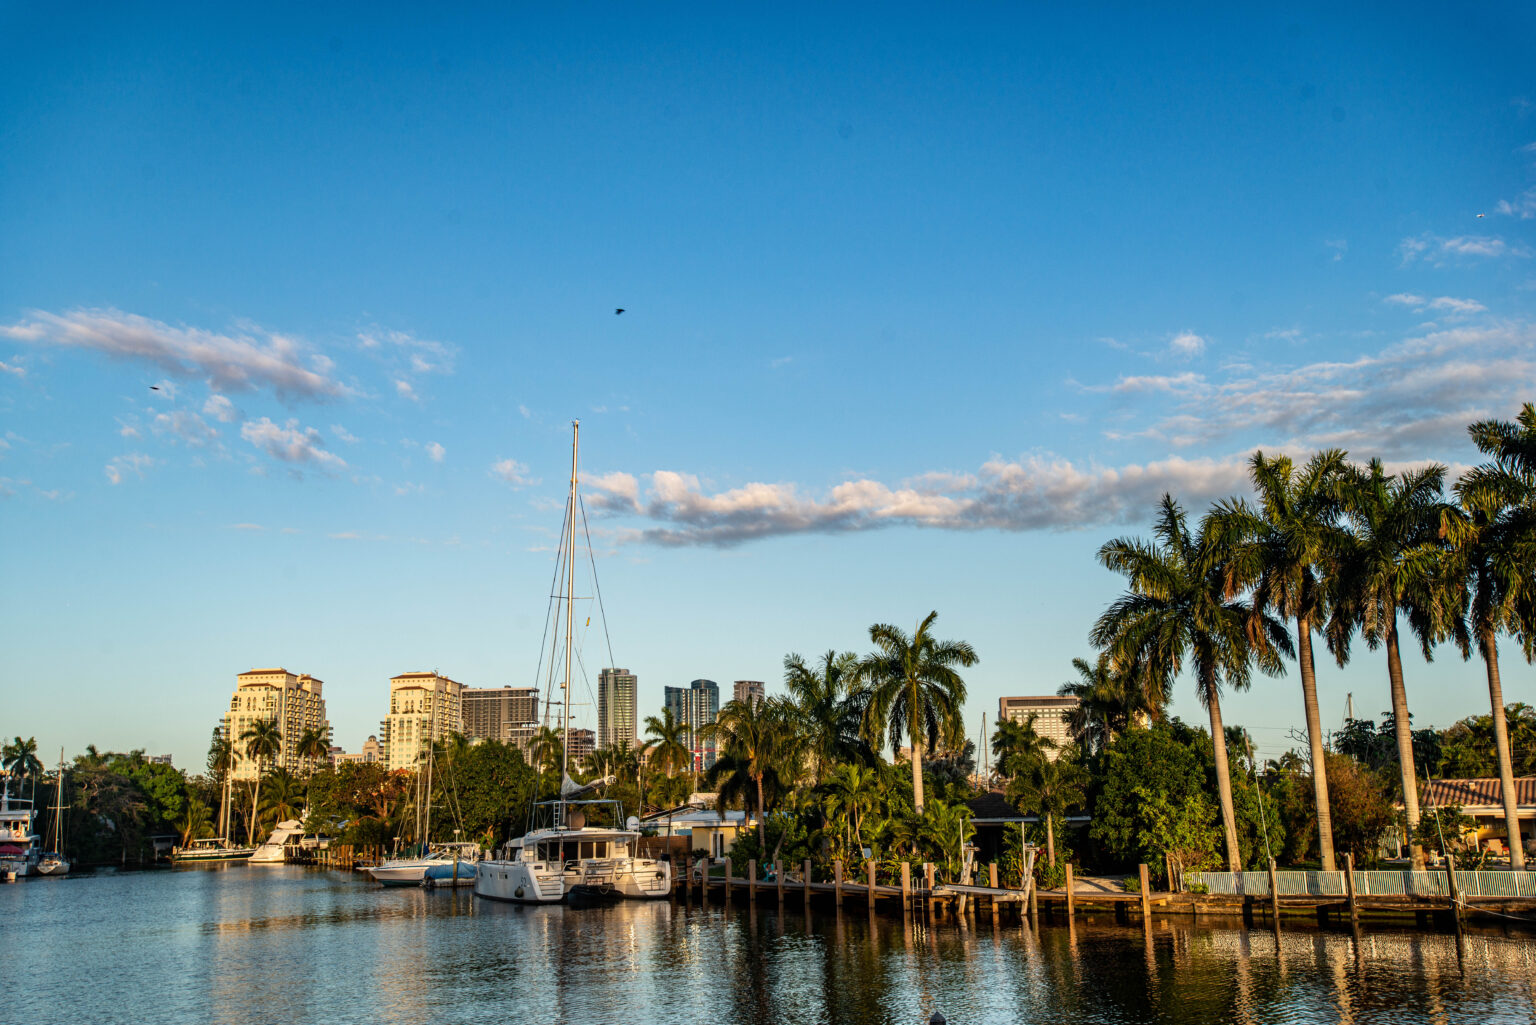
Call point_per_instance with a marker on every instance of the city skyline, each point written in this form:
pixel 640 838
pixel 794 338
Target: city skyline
pixel 919 311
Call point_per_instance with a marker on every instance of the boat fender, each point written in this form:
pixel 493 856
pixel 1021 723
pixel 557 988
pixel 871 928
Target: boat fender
pixel 517 892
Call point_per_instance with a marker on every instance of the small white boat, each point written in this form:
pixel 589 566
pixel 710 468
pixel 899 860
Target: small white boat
pixel 275 850
pixel 450 864
pixel 53 862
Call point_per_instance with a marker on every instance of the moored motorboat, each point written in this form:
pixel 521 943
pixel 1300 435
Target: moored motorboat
pixel 214 848
pixel 275 850
pixel 20 847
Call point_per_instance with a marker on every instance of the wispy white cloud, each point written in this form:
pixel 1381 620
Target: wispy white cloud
pixel 513 472
pixel 1441 304
pixel 1439 250
pixel 13 369
pixel 290 443
pixel 221 409
pixel 404 389
pixel 1522 206
pixel 435 451
pixel 230 362
pixel 1186 345
pixel 186 425
pixel 247 526
pixel 121 466
pixel 1339 246
pixel 342 434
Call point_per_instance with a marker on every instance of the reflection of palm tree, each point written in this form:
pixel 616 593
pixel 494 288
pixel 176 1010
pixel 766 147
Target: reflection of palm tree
pixel 1178 608
pixel 1282 550
pixel 263 740
pixel 915 690
pixel 1390 563
pixel 1492 564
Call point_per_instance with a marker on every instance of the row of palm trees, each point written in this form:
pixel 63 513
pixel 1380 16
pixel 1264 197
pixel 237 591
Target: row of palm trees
pixel 261 742
pixel 1330 549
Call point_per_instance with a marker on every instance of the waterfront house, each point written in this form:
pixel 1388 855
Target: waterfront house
pixel 1483 801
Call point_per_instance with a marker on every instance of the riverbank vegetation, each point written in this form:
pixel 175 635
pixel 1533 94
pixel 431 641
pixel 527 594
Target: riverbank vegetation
pixel 863 755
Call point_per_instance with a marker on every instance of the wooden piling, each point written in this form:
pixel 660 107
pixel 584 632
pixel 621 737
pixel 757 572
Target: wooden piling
pixel 752 881
pixel 1450 877
pixel 869 867
pixel 906 886
pixel 1146 891
pixel 727 880
pixel 1071 901
pixel 1274 895
pixel 778 880
pixel 1349 890
pixel 805 886
pixel 687 877
pixel 1034 898
pixel 837 881
pixel 1168 868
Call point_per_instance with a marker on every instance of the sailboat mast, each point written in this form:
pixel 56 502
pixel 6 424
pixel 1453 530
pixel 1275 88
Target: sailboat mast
pixel 570 599
pixel 58 809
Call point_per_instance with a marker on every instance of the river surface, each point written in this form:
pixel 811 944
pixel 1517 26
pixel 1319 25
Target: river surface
pixel 246 943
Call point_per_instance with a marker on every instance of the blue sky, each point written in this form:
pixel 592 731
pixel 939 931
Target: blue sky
pixel 922 307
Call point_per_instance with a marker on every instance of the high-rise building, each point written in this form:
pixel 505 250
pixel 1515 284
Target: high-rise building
pixel 292 701
pixel 697 705
pixel 422 707
pixel 616 708
pixel 1052 713
pixel 372 752
pixel 749 691
pixel 490 713
pixel 581 746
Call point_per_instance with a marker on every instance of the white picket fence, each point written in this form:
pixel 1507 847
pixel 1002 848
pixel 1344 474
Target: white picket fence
pixel 1367 883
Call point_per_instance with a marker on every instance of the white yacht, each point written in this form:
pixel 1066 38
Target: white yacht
pixel 20 847
pixel 566 857
pixel 275 851
pixel 449 864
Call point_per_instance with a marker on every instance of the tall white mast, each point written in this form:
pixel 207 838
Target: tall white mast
pixel 570 598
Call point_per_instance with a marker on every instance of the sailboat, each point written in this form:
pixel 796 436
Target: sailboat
pixel 53 862
pixel 444 864
pixel 564 857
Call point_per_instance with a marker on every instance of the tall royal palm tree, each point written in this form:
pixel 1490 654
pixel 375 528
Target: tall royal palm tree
pixel 915 689
pixel 755 735
pixel 1181 608
pixel 1391 562
pixel 221 761
pixel 1493 558
pixel 667 743
pixel 1283 549
pixel 263 741
pixel 830 706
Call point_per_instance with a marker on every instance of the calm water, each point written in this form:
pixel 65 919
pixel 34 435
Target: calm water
pixel 251 944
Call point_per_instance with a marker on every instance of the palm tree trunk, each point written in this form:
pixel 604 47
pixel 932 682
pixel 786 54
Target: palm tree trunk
pixel 1315 742
pixel 762 835
pixel 255 809
pixel 1404 730
pixel 1223 779
pixel 1050 838
pixel 1501 743
pixel 915 729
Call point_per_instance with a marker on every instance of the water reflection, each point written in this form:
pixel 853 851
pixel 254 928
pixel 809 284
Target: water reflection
pixel 250 944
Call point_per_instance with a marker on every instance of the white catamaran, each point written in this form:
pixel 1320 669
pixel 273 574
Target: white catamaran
pixel 563 857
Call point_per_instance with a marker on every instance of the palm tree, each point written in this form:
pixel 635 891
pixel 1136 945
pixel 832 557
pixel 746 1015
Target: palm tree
pixel 547 749
pixel 852 793
pixel 1391 561
pixel 1282 550
pixel 1493 561
pixel 221 761
pixel 263 741
pixel 314 747
pixel 914 689
pixel 944 829
pixel 284 791
pixel 831 705
pixel 1180 607
pixel 194 822
pixel 667 743
pixel 20 758
pixel 753 733
pixel 1110 700
pixel 1018 746
pixel 1047 788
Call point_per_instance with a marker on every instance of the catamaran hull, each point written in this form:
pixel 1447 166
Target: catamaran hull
pixel 515 883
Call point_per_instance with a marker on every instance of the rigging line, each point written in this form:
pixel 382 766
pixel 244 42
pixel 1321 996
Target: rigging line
pixel 596 586
pixel 554 577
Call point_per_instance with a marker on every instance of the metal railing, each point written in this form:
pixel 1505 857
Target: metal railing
pixel 1367 883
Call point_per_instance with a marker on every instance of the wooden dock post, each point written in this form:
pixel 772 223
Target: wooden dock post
pixel 906 886
pixel 837 882
pixel 687 877
pixel 752 881
pixel 869 867
pixel 1450 877
pixel 1146 891
pixel 778 880
pixel 727 880
pixel 1349 890
pixel 1168 868
pixel 1034 898
pixel 1071 901
pixel 1274 895
pixel 992 882
pixel 805 886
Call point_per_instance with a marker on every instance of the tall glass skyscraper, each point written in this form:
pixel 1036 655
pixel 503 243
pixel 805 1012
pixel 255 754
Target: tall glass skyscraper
pixel 697 705
pixel 616 708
